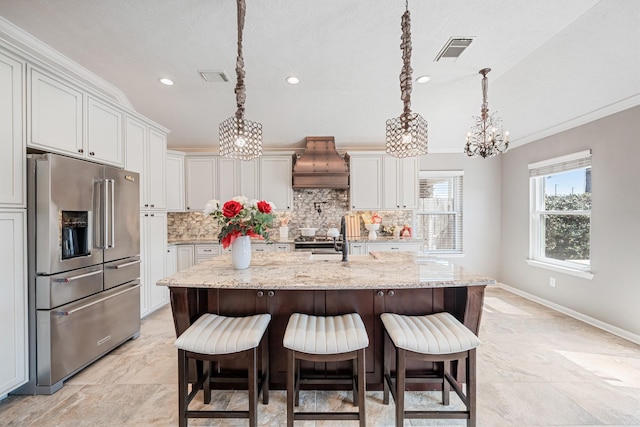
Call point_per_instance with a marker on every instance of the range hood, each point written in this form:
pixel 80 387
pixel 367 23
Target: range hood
pixel 320 165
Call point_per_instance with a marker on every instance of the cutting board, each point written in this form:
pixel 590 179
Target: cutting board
pixel 353 226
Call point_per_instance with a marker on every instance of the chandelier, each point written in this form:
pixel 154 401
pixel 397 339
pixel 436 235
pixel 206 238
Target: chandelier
pixel 486 138
pixel 407 134
pixel 240 138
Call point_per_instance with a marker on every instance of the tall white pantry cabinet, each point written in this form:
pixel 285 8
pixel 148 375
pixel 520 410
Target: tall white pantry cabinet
pixel 13 257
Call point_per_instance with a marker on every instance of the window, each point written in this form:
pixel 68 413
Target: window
pixel 561 212
pixel 440 211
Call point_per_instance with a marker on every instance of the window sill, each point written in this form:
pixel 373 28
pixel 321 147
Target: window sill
pixel 570 271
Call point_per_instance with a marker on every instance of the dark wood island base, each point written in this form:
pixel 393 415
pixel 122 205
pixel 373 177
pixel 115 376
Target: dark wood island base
pixel 188 303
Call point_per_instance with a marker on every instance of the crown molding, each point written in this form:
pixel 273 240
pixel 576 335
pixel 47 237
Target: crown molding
pixel 607 110
pixel 41 54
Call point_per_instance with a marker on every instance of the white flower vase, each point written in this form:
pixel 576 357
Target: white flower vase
pixel 241 253
pixel 372 230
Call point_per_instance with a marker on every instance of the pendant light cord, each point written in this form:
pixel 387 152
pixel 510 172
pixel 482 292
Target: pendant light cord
pixel 240 88
pixel 407 71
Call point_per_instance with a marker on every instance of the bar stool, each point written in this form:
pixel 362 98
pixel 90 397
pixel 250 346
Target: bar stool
pixel 436 337
pixel 325 339
pixel 213 338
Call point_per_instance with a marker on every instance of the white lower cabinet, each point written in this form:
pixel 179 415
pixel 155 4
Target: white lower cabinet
pixel 394 247
pixel 153 248
pixel 185 257
pixel 206 252
pixel 363 248
pixel 13 303
pixel 282 247
pixel 358 248
pixel 171 260
pixel 261 247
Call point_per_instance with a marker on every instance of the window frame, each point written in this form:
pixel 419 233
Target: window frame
pixel 538 214
pixel 458 211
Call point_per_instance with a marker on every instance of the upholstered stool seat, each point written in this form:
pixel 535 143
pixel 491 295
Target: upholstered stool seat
pixel 212 338
pixel 436 337
pixel 325 339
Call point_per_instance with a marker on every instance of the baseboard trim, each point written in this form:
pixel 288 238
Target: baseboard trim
pixel 634 338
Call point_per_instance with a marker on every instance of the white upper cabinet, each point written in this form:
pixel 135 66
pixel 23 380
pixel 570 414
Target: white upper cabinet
pixel 202 173
pixel 275 181
pixel 146 154
pixel 56 115
pixel 228 179
pixel 400 183
pixel 58 121
pixel 104 133
pixel 174 181
pixel 249 178
pixel 156 169
pixel 366 181
pixel 12 185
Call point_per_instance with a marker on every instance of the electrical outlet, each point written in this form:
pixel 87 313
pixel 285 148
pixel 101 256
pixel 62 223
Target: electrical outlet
pixel 552 282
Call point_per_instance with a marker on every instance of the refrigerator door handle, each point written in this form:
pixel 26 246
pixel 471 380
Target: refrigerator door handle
pixel 105 210
pixel 112 216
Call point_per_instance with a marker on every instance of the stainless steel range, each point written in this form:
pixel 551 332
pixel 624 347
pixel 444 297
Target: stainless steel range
pixel 84 265
pixel 316 244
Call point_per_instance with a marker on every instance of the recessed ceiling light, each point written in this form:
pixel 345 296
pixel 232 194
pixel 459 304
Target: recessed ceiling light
pixel 165 81
pixel 292 80
pixel 423 79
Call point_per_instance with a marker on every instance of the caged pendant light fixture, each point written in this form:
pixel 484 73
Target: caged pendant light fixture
pixel 486 138
pixel 407 134
pixel 240 138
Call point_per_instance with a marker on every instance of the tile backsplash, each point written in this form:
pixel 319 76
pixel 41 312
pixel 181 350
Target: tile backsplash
pixel 317 208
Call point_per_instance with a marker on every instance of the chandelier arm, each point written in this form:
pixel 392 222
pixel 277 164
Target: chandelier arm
pixel 240 73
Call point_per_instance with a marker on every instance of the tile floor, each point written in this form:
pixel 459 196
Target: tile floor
pixel 536 367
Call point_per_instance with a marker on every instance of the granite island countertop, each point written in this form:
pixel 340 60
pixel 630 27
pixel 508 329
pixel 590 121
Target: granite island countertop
pixel 297 270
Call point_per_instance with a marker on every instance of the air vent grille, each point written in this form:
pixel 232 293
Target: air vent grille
pixel 454 48
pixel 214 76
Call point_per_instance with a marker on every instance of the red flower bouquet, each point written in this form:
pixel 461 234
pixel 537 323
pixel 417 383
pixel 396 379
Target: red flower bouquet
pixel 241 217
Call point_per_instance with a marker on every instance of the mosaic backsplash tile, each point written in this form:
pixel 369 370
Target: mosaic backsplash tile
pixel 317 208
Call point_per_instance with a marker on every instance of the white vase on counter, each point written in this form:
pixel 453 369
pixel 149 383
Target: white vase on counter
pixel 241 252
pixel 372 228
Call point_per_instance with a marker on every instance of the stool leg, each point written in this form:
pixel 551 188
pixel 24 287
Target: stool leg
pixel 471 386
pixel 183 385
pixel 253 387
pixel 446 387
pixel 400 385
pixel 296 383
pixel 361 387
pixel 265 371
pixel 207 382
pixel 354 381
pixel 291 367
pixel 386 372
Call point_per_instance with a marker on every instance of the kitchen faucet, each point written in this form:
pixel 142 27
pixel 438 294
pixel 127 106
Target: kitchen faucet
pixel 341 244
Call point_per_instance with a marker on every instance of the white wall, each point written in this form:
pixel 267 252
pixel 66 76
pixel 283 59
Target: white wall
pixel 613 295
pixel 481 207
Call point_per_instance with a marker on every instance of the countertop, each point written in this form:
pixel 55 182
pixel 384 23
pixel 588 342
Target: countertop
pixel 296 270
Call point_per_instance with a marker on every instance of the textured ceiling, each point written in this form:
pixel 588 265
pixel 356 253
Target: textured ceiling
pixel 555 64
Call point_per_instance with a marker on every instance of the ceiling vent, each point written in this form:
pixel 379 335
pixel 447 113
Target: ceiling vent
pixel 454 48
pixel 214 76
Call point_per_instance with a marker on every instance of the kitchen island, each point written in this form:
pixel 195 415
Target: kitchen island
pixel 284 283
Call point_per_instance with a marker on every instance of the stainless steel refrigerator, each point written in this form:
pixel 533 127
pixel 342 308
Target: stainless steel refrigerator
pixel 84 265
